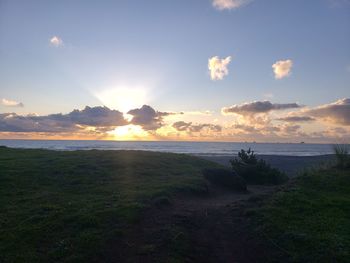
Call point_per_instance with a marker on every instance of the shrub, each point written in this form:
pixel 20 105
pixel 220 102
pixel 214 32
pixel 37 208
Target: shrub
pixel 342 155
pixel 225 178
pixel 256 171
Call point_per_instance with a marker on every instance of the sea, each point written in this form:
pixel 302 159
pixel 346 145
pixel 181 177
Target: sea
pixel 195 148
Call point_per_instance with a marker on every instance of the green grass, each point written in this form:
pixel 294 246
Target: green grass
pixel 311 221
pixel 67 206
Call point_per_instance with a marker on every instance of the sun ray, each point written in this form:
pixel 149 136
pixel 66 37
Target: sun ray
pixel 122 98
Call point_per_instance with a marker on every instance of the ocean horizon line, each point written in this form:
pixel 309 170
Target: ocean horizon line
pixel 173 141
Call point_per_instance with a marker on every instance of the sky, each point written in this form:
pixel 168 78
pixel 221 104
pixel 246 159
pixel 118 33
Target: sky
pixel 206 70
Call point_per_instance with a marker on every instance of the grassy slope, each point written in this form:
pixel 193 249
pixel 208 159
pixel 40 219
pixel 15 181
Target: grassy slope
pixel 66 206
pixel 311 221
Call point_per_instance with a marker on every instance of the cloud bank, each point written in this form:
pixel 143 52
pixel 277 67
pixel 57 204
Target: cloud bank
pixel 100 118
pixel 282 68
pixel 258 121
pixel 337 112
pixel 218 68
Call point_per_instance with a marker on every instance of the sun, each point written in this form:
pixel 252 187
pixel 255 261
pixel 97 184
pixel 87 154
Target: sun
pixel 129 132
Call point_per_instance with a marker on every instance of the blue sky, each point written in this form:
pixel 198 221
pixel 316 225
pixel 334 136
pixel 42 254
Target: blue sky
pixel 163 47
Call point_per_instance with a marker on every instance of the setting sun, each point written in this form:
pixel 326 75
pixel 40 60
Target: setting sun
pixel 128 132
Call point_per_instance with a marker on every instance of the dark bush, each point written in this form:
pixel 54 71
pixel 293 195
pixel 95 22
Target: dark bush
pixel 256 171
pixel 341 152
pixel 225 178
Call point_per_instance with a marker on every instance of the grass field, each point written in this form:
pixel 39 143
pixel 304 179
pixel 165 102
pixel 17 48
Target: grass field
pixel 67 206
pixel 310 222
pixel 78 206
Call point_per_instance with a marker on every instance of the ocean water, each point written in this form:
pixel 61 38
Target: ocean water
pixel 196 148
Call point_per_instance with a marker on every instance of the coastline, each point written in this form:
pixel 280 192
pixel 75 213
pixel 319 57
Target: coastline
pixel 192 148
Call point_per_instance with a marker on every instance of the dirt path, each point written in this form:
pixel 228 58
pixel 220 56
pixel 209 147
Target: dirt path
pixel 213 228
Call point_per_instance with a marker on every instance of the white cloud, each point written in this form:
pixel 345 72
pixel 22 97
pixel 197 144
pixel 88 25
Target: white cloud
pixel 282 68
pixel 218 67
pixel 229 4
pixel 11 103
pixel 56 41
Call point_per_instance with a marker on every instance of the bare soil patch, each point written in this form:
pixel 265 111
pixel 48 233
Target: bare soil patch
pixel 210 228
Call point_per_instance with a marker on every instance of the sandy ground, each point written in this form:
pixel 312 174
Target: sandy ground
pixel 291 165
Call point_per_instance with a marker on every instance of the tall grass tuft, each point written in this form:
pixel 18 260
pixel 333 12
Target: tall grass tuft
pixel 341 152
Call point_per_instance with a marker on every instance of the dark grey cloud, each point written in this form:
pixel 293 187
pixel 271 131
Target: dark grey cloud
pixel 98 117
pixel 11 122
pixel 291 128
pixel 297 119
pixel 337 112
pixel 250 129
pixel 245 128
pixel 148 118
pixel 189 127
pixel 182 126
pixel 251 108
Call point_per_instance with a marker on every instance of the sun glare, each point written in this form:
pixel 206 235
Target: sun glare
pixel 122 98
pixel 128 132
